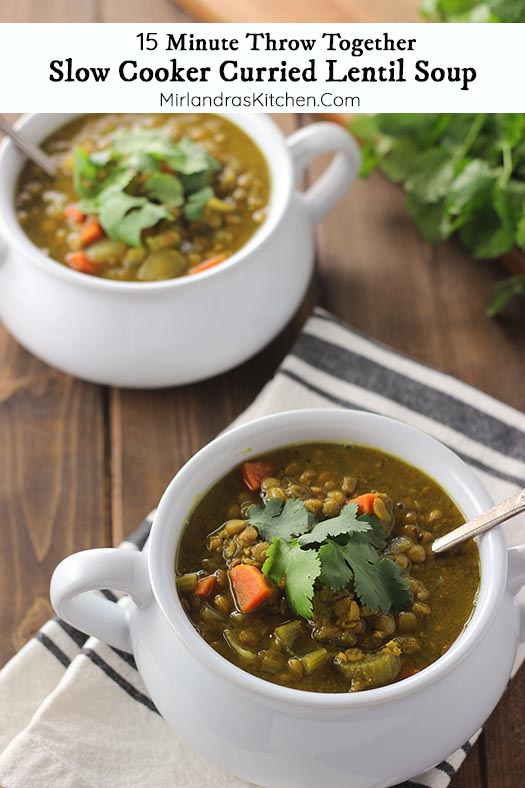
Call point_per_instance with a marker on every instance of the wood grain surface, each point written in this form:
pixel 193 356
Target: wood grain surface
pixel 80 465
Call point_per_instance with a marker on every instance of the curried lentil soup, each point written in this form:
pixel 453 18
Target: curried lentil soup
pixel 311 567
pixel 145 197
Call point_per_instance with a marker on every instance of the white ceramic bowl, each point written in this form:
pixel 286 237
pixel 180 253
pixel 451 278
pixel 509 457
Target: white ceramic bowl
pixel 277 736
pixel 149 334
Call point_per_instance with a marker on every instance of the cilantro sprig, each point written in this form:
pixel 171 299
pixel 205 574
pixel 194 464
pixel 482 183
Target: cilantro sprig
pixel 463 175
pixel 141 178
pixel 337 552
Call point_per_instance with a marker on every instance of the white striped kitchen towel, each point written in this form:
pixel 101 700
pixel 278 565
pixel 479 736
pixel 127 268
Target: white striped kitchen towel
pixel 75 713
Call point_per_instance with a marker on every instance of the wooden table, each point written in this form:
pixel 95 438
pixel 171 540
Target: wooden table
pixel 80 464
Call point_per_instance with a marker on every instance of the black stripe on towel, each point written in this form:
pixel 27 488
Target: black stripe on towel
pixel 53 648
pixel 467 747
pixel 76 636
pixel 120 680
pixel 346 365
pixel 344 403
pixel 139 535
pixel 128 658
pixel 446 767
pixel 410 784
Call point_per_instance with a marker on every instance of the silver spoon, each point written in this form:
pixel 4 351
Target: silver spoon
pixel 498 514
pixel 29 148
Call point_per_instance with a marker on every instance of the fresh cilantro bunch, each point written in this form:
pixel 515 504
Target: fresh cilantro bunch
pixel 143 176
pixel 337 552
pixel 474 10
pixel 463 174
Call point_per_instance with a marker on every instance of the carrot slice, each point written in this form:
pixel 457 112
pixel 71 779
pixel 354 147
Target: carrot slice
pixel 365 503
pixel 249 586
pixel 81 262
pixel 74 214
pixel 211 262
pixel 254 472
pixel 205 586
pixel 91 231
pixel 405 674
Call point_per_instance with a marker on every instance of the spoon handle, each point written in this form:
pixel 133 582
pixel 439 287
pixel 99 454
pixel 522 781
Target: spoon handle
pixel 29 148
pixel 498 514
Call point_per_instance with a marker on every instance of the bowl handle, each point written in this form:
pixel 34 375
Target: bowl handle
pixel 76 579
pixel 516 580
pixel 333 184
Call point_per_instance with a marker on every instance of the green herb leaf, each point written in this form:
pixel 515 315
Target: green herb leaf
pixel 300 569
pixel 473 10
pixel 471 189
pixel 104 191
pixel 520 233
pixel 506 291
pixel 101 158
pixel 188 158
pixel 364 127
pixel 165 188
pixel 287 521
pixel 433 175
pixel 139 219
pixel 400 163
pixel 345 523
pixel 507 10
pixel 428 219
pixel 85 173
pixel 123 217
pixel 378 582
pixel 510 126
pixel 140 141
pixel 194 207
pixel 339 550
pixel 425 129
pixel 335 572
pixel 494 234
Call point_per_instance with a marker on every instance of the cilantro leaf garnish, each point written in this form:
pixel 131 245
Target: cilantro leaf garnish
pixel 194 208
pixel 188 158
pixel 344 523
pixel 274 519
pixel 339 551
pixel 131 226
pixel 335 572
pixel 165 188
pixel 123 217
pixel 139 140
pixel 378 582
pixel 112 182
pixel 300 569
pixel 85 173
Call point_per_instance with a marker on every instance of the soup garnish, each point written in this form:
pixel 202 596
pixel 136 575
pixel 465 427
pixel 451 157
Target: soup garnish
pixel 145 198
pixel 321 575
